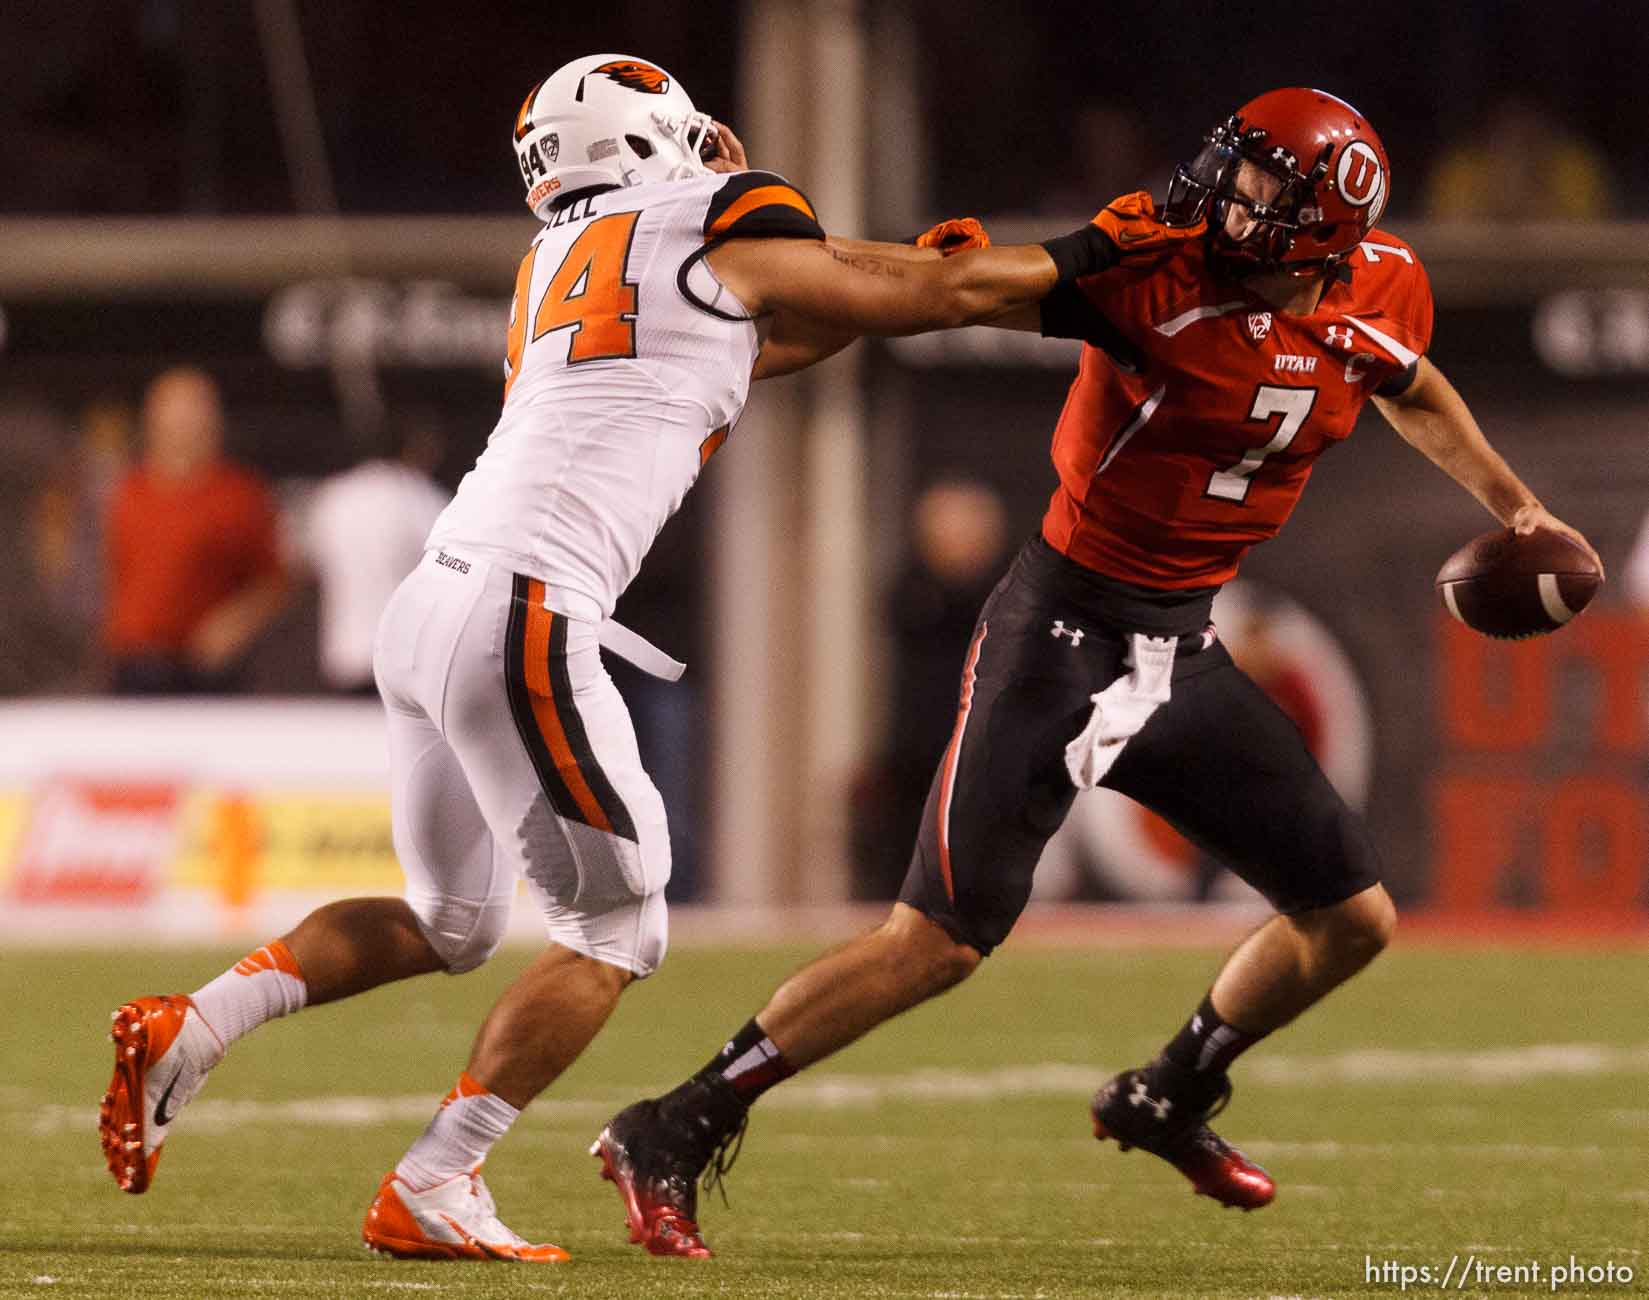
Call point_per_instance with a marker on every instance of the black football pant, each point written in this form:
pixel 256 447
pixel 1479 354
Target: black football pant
pixel 1219 761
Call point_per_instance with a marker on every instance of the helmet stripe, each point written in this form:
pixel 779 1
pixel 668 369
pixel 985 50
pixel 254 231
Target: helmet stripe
pixel 523 119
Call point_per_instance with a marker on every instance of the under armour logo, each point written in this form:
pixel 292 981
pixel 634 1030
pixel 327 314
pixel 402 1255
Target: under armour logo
pixel 1339 336
pixel 1075 633
pixel 1140 1097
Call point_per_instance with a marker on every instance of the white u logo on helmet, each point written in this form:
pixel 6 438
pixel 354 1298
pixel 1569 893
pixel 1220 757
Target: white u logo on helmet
pixel 1360 178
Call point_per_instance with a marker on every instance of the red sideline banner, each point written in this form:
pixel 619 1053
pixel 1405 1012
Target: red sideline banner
pixel 1537 799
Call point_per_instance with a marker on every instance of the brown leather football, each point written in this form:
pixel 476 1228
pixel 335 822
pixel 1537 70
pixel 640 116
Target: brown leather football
pixel 1510 586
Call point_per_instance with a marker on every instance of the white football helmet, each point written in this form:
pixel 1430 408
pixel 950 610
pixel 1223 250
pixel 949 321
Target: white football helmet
pixel 608 119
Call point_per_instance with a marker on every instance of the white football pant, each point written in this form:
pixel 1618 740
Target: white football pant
pixel 512 756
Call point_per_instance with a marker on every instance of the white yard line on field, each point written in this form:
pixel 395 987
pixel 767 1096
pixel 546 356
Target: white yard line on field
pixel 848 1091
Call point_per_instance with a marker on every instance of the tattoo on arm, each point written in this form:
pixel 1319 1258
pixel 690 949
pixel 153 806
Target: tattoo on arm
pixel 869 265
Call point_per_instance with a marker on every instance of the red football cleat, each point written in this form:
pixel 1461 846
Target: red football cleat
pixel 1125 1111
pixel 655 1150
pixel 660 1200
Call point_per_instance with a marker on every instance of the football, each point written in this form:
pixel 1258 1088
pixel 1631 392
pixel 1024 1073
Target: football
pixel 1510 586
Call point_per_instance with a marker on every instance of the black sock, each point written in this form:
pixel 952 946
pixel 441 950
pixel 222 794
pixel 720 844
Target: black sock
pixel 1206 1044
pixel 750 1063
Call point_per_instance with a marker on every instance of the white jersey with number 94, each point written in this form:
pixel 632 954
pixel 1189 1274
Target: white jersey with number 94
pixel 627 365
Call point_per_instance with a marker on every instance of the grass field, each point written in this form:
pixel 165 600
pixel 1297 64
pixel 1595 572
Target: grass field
pixel 1490 1104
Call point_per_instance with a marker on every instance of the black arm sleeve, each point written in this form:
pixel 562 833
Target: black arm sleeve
pixel 1401 382
pixel 1067 314
pixel 1087 250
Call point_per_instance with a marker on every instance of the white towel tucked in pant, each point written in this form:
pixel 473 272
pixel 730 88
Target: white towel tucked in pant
pixel 1122 708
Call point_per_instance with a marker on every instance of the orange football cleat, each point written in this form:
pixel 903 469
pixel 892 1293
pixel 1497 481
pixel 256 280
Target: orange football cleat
pixel 163 1050
pixel 456 1219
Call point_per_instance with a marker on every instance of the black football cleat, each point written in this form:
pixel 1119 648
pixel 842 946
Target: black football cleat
pixel 1177 1130
pixel 654 1151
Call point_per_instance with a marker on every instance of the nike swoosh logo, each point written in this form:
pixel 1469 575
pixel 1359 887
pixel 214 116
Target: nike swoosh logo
pixel 162 1119
pixel 1130 237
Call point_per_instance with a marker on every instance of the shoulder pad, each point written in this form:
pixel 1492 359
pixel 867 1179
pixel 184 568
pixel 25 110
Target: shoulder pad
pixel 1389 283
pixel 760 205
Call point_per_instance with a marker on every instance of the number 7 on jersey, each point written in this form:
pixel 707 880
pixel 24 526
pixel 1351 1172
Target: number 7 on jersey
pixel 1293 404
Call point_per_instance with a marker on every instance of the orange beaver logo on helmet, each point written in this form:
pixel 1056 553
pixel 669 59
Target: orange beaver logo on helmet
pixel 637 76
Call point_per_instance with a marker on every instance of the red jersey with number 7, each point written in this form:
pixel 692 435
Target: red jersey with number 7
pixel 1191 439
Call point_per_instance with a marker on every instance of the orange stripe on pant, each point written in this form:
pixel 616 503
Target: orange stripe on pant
pixel 953 758
pixel 536 663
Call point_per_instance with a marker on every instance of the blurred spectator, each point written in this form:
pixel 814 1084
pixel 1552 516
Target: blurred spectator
pixel 366 530
pixel 71 509
pixel 1522 165
pixel 959 538
pixel 193 566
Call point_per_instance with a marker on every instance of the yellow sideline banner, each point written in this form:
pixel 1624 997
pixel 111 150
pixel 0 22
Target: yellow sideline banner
pixel 196 815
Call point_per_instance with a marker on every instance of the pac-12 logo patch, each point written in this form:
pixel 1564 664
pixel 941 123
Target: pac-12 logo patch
pixel 1259 325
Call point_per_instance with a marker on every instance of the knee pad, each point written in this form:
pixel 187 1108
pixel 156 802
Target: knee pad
pixel 632 935
pixel 464 932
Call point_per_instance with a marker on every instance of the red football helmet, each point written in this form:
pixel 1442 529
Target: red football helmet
pixel 1335 176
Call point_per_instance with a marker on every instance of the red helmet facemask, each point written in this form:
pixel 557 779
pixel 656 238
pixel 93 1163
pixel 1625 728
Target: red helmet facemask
pixel 1333 171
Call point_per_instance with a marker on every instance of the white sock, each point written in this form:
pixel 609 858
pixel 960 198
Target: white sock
pixel 470 1120
pixel 261 986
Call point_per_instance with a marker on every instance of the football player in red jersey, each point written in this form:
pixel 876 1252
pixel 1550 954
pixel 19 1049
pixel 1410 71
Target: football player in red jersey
pixel 1244 326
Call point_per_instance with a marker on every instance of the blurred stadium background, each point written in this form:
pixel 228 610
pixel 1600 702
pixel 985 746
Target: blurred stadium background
pixel 316 203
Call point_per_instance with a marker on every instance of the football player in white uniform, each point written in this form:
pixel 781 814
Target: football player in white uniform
pixel 664 279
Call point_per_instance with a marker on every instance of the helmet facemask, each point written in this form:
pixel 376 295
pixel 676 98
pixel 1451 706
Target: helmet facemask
pixel 676 148
pixel 1206 188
